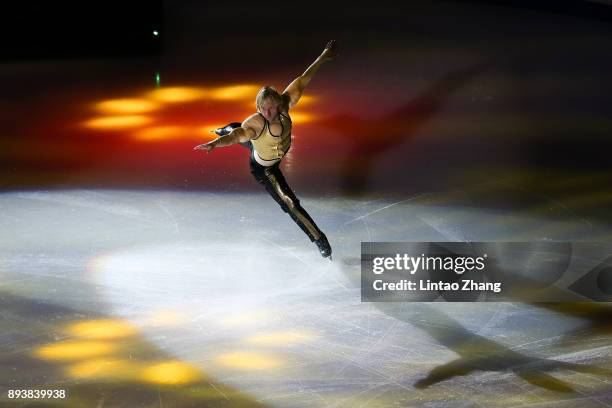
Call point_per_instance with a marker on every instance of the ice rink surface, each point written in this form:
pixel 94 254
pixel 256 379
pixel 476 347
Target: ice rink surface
pixel 199 279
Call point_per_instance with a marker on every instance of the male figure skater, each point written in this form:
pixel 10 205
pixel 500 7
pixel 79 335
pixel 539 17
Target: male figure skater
pixel 268 134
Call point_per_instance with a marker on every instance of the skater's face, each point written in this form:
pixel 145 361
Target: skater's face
pixel 269 109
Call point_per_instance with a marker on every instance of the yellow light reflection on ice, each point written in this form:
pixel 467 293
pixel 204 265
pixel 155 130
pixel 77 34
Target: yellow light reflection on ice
pixel 178 94
pixel 280 338
pixel 242 360
pixel 118 122
pixel 235 92
pixel 170 372
pixel 102 329
pixel 127 105
pixel 74 350
pixel 105 369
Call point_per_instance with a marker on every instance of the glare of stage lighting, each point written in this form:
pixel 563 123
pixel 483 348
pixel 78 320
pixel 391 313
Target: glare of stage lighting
pixel 163 133
pixel 306 100
pixel 118 122
pixel 301 117
pixel 157 79
pixel 155 33
pixel 127 105
pixel 235 92
pixel 177 94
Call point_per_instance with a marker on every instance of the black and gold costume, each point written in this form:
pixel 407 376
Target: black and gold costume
pixel 266 151
pixel 269 147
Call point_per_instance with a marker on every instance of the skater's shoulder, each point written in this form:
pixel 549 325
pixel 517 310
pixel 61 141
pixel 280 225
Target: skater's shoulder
pixel 254 125
pixel 255 121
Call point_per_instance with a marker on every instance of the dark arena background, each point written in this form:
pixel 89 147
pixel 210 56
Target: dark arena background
pixel 137 272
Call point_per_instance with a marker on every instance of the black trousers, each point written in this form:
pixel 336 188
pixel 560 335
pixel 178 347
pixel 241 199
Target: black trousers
pixel 276 185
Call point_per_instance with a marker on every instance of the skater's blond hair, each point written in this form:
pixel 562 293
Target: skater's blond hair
pixel 267 93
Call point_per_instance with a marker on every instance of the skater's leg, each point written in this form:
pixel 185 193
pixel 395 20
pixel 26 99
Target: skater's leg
pixel 280 178
pixel 276 185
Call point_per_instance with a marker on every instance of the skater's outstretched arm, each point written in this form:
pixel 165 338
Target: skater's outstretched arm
pixel 295 89
pixel 250 128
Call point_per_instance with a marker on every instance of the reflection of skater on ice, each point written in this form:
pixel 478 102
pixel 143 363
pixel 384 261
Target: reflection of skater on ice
pixel 268 135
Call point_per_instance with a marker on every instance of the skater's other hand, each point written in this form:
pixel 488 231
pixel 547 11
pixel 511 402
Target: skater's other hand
pixel 330 52
pixel 208 147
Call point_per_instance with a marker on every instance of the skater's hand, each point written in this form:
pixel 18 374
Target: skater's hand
pixel 330 52
pixel 208 147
